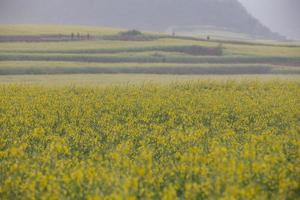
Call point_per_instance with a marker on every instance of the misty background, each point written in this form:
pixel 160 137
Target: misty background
pixel 280 16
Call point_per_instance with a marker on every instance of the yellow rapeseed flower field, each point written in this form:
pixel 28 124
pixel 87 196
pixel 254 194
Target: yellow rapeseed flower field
pixel 204 140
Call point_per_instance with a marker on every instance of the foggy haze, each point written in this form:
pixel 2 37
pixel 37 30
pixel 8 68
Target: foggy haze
pixel 279 15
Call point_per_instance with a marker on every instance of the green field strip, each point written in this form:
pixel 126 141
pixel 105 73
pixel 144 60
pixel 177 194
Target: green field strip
pixel 149 59
pixel 13 68
pixel 42 64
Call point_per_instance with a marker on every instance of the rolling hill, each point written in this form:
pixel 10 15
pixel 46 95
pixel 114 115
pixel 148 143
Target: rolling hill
pixel 152 15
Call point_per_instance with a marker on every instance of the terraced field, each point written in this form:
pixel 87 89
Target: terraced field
pixel 162 54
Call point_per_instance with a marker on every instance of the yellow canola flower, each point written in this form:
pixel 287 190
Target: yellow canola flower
pixel 206 140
